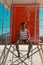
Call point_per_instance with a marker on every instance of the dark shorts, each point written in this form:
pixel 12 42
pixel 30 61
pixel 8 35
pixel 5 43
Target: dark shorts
pixel 23 41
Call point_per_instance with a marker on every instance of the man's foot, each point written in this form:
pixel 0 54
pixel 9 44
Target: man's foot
pixel 27 55
pixel 18 55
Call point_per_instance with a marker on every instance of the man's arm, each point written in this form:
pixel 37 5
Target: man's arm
pixel 18 35
pixel 28 33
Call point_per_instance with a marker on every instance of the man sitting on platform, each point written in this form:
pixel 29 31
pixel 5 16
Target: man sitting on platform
pixel 23 36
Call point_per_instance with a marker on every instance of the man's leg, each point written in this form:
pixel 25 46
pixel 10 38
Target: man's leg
pixel 17 47
pixel 29 48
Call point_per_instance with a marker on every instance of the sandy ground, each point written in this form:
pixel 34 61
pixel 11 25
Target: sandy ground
pixel 35 59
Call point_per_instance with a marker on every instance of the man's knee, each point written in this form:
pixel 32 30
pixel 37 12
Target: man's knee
pixel 17 42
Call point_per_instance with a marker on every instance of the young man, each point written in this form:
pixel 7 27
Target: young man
pixel 23 36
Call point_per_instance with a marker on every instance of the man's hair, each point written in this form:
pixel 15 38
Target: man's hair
pixel 23 23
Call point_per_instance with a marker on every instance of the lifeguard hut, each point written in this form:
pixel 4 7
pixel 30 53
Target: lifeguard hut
pixel 27 11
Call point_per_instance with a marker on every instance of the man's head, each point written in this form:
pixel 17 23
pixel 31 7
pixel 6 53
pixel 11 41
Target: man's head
pixel 23 25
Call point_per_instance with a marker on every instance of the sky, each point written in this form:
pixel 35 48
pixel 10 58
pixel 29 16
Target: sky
pixel 41 22
pixel 5 14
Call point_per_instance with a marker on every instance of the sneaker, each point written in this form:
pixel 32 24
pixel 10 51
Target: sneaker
pixel 18 55
pixel 27 55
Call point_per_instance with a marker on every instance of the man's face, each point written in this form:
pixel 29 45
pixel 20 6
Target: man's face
pixel 23 26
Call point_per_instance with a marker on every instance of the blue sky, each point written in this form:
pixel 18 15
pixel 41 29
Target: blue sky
pixel 41 22
pixel 5 14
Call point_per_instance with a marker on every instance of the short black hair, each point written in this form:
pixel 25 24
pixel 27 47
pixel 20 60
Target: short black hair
pixel 23 23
